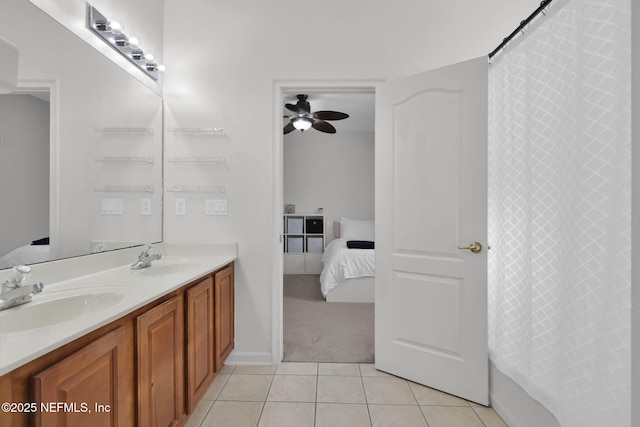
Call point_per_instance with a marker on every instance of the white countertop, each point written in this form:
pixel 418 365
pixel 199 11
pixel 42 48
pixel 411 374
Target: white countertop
pixel 127 290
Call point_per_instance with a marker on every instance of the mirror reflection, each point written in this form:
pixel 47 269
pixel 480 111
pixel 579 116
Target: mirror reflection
pixel 80 147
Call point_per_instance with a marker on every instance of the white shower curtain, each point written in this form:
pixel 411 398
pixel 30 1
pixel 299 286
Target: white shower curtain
pixel 560 212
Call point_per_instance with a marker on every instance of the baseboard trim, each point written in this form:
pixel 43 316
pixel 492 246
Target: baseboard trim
pixel 514 405
pixel 249 358
pixel 497 406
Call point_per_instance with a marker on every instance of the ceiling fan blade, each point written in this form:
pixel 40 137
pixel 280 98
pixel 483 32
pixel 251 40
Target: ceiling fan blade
pixel 289 128
pixel 323 126
pixel 330 115
pixel 295 108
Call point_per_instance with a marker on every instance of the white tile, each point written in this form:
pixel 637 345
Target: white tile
pixel 344 369
pixel 369 370
pixel 198 414
pixel 215 388
pixel 296 368
pixel 255 369
pixel 451 416
pixel 342 415
pixel 287 414
pixel 429 396
pixel 390 391
pixel 246 388
pixel 227 369
pixel 489 417
pixel 397 415
pixel 236 414
pixel 293 388
pixel 336 389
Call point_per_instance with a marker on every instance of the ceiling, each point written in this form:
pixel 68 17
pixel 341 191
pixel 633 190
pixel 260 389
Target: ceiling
pixel 359 106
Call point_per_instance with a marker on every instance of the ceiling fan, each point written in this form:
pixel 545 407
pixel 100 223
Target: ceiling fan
pixel 304 118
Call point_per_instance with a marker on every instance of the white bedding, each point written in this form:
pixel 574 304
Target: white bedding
pixel 25 255
pixel 342 263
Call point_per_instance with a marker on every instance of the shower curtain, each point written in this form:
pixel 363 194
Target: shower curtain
pixel 560 212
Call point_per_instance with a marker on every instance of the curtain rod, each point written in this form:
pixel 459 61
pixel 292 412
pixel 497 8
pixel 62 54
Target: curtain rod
pixel 523 24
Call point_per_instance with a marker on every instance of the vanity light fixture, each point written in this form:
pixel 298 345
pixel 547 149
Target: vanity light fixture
pixel 112 32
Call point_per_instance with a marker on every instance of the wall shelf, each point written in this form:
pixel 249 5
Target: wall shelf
pixel 125 130
pixel 210 160
pixel 199 131
pixel 149 160
pixel 125 189
pixel 197 189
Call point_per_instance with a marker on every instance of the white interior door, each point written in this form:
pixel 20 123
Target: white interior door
pixel 431 198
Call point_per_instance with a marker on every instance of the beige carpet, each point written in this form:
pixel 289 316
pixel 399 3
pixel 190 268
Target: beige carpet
pixel 320 331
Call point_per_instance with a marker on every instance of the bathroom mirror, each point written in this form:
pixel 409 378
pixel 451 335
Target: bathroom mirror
pixel 80 147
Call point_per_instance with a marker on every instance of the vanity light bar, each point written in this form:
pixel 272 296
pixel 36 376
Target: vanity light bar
pixel 111 33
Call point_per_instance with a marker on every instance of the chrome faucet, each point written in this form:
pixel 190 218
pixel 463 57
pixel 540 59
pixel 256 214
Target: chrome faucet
pixel 13 293
pixel 145 258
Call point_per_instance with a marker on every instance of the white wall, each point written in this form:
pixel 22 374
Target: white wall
pixel 331 171
pixel 224 60
pixel 24 159
pixel 635 215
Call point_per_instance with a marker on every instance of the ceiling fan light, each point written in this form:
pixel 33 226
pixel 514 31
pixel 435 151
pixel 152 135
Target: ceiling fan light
pixel 301 123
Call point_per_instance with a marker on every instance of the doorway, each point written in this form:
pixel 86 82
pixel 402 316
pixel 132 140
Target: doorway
pixel 296 150
pixel 25 146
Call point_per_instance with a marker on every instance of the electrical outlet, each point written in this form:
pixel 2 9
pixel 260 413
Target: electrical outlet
pixel 145 207
pixel 181 207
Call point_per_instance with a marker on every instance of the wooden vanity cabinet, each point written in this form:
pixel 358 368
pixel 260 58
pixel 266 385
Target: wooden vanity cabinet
pixel 224 312
pixel 200 341
pixel 173 347
pixel 161 365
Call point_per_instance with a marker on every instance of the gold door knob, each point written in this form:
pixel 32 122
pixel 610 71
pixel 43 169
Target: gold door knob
pixel 474 247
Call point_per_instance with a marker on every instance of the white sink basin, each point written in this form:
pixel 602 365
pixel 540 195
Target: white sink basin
pixel 58 307
pixel 173 268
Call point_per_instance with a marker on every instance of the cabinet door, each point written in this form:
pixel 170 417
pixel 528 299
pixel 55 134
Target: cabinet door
pixel 92 384
pixel 200 341
pixel 161 364
pixel 224 324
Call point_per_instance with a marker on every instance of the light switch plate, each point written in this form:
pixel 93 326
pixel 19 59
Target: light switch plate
pixel 215 207
pixel 181 207
pixel 145 207
pixel 111 206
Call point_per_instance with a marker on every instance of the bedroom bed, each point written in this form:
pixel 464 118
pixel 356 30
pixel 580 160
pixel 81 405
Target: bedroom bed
pixel 348 275
pixel 26 255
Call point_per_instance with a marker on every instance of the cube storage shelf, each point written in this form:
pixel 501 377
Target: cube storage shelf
pixel 303 243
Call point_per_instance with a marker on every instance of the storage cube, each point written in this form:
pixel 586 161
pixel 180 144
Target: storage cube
pixel 314 226
pixel 294 225
pixel 315 244
pixel 295 244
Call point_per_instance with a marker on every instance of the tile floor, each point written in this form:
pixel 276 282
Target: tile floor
pixel 332 395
